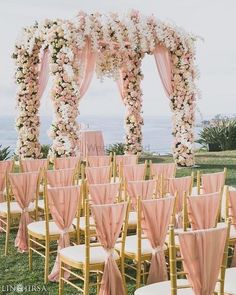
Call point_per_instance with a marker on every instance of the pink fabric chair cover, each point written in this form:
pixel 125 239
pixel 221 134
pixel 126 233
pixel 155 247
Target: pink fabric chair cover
pixel 63 204
pixel 203 210
pixel 213 182
pixel 24 188
pixel 141 188
pixel 155 222
pixel 126 160
pixel 98 175
pixel 6 166
pixel 108 220
pixel 164 66
pixel 2 185
pixel 202 252
pixel 32 165
pixel 91 144
pixel 62 177
pixel 180 186
pixel 232 213
pixel 134 172
pixel 166 170
pixel 97 161
pixel 104 193
pixel 66 163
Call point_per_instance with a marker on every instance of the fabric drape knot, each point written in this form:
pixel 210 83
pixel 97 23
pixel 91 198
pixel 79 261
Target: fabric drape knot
pixel 109 253
pixel 64 231
pixel 26 209
pixel 157 249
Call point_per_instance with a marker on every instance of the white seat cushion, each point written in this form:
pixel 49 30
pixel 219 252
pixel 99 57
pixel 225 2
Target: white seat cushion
pixel 77 254
pixel 41 204
pixel 38 227
pixel 14 208
pixel 132 218
pixel 41 188
pixel 163 288
pixel 82 222
pixel 194 191
pixel 230 281
pixel 131 245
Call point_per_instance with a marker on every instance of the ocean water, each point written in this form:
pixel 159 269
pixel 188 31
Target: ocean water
pixel 157 135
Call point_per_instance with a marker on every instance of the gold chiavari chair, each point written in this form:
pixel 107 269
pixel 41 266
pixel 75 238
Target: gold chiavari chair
pixel 97 161
pixel 89 258
pixel 121 160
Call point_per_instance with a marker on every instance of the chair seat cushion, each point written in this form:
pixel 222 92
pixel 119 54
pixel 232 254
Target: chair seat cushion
pixel 76 254
pixel 163 288
pixel 14 208
pixel 38 227
pixel 131 245
pixel 132 218
pixel 230 281
pixel 82 222
pixel 41 204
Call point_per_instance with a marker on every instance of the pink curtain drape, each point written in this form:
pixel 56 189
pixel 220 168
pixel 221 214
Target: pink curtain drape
pixel 63 204
pixel 96 161
pixel 43 72
pixel 103 193
pixel 98 175
pixel 126 160
pixel 24 188
pixel 180 186
pixel 213 182
pixel 108 220
pixel 164 66
pixel 62 177
pixel 6 166
pixel 2 185
pixel 134 172
pixel 164 170
pixel 32 165
pixel 203 210
pixel 66 163
pixel 232 213
pixel 142 188
pixel 155 222
pixel 91 144
pixel 202 253
pixel 87 58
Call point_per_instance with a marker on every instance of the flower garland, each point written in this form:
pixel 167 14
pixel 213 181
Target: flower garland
pixel 120 43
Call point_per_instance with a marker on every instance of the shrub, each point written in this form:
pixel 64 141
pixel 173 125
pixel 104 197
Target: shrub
pixel 4 153
pixel 118 148
pixel 219 134
pixel 45 149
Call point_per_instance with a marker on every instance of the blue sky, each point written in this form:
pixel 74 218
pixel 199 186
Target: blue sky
pixel 214 20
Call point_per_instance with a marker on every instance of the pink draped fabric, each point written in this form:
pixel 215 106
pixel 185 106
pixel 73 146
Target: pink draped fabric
pixel 203 210
pixel 24 188
pixel 108 220
pixel 202 252
pixel 164 170
pixel 134 172
pixel 62 177
pixel 66 163
pixel 141 188
pixel 155 222
pixel 2 185
pixel 180 186
pixel 232 213
pixel 43 73
pixel 104 193
pixel 32 165
pixel 98 175
pixel 97 161
pixel 91 144
pixel 6 166
pixel 126 160
pixel 63 203
pixel 213 182
pixel 164 66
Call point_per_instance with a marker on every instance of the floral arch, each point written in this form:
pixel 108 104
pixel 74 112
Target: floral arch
pixel 72 50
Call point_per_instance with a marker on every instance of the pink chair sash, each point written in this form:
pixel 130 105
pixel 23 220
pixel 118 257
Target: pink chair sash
pixel 126 160
pixel 166 170
pixel 63 204
pixel 108 220
pixel 134 172
pixel 180 186
pixel 6 166
pixel 66 162
pixel 32 165
pixel 203 210
pixel 62 177
pixel 141 188
pixel 98 175
pixel 202 252
pixel 104 193
pixel 155 222
pixel 232 213
pixel 2 185
pixel 24 188
pixel 213 182
pixel 98 161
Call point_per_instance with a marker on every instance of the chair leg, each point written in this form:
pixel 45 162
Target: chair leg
pixel 46 266
pixel 30 252
pixel 99 277
pixel 138 274
pixel 122 268
pixel 8 226
pixel 61 282
pixel 86 283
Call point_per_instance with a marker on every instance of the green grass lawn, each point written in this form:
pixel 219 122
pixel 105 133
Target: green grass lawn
pixel 14 267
